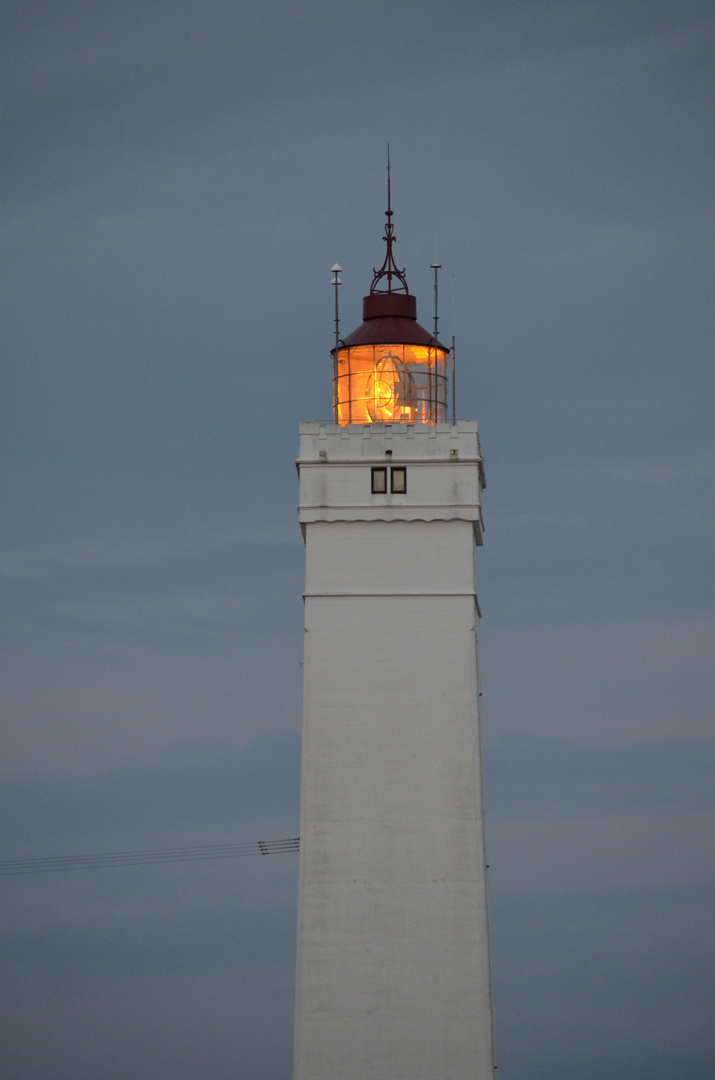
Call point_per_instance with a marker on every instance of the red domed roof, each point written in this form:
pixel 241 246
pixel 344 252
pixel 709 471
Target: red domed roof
pixel 390 318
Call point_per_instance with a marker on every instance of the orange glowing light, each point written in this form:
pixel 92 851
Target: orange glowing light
pixel 403 384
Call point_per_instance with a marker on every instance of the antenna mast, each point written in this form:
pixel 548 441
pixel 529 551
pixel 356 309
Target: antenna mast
pixel 436 266
pixel 454 389
pixel 336 270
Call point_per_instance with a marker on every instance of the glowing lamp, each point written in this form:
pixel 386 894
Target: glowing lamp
pixel 390 370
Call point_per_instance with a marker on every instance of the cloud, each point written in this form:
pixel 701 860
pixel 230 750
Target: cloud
pixel 535 776
pixel 108 555
pixel 610 681
pixel 570 815
pixel 590 978
pixel 162 972
pixel 200 788
pixel 169 965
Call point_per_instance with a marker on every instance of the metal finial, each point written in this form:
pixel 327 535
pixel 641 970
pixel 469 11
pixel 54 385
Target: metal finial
pixel 389 268
pixel 389 170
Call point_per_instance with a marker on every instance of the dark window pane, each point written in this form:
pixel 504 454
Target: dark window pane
pixel 399 481
pixel 379 481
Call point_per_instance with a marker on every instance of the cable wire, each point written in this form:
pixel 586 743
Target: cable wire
pixel 52 864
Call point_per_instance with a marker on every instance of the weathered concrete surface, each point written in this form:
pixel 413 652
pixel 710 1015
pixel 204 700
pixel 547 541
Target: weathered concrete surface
pixel 393 979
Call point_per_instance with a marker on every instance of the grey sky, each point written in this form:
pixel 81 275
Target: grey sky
pixel 177 180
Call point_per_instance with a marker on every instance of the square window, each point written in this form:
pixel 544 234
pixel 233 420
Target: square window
pixel 379 481
pixel 398 480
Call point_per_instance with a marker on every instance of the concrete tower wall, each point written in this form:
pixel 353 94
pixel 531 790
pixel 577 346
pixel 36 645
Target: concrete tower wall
pixel 393 979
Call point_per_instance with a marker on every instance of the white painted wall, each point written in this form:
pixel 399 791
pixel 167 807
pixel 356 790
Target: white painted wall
pixel 393 975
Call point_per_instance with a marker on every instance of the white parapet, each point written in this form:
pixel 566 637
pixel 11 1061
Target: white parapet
pixel 393 975
pixel 446 472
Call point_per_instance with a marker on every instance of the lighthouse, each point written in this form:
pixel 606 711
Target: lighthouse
pixel 393 976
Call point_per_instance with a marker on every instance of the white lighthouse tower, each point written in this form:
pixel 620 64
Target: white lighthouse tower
pixel 393 974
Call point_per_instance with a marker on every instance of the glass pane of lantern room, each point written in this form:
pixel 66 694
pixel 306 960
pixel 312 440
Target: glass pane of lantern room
pixel 391 384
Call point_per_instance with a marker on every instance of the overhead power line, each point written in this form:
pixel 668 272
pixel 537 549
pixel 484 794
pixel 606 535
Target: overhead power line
pixel 52 864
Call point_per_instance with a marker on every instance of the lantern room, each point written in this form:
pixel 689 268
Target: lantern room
pixel 390 370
